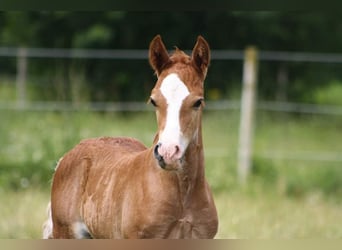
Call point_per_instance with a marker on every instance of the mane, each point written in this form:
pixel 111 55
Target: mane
pixel 178 61
pixel 179 56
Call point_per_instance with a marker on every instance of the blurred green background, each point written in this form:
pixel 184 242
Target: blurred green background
pixel 295 186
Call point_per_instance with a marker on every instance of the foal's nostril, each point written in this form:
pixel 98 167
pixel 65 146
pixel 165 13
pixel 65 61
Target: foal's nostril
pixel 155 151
pixel 159 158
pixel 176 149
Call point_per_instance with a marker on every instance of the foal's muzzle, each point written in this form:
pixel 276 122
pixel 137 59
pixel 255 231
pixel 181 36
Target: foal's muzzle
pixel 159 158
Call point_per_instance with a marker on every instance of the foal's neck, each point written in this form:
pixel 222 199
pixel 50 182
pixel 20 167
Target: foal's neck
pixel 191 176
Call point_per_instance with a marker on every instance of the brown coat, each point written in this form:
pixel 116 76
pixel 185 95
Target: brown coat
pixel 117 188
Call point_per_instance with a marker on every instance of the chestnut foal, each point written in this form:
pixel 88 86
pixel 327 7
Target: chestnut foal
pixel 117 188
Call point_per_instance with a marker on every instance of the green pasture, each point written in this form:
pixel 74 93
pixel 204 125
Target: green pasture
pixel 294 190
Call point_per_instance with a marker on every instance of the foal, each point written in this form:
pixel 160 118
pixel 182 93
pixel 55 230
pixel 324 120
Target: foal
pixel 117 188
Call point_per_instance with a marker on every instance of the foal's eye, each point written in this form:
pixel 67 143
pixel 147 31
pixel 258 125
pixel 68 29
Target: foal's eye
pixel 198 103
pixel 153 102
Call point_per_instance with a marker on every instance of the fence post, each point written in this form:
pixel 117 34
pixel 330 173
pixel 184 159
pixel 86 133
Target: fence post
pixel 245 150
pixel 21 76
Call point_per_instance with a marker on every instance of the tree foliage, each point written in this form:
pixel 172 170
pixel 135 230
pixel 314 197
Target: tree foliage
pixel 126 80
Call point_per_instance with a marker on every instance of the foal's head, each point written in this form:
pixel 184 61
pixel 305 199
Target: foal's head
pixel 178 99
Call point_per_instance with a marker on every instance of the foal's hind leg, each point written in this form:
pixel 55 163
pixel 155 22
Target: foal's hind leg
pixel 68 188
pixel 56 230
pixel 77 230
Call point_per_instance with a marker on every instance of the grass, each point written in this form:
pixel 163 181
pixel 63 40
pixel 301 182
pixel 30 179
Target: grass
pixel 268 216
pixel 22 213
pixel 288 194
pixel 241 215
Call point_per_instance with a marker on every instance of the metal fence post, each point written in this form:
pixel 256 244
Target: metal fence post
pixel 245 150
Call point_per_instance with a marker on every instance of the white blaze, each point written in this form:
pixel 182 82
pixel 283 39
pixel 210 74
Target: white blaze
pixel 174 91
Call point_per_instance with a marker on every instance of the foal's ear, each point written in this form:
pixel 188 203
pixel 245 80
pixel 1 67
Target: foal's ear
pixel 158 55
pixel 201 55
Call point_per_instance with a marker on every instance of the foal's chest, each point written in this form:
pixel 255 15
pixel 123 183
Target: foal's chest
pixel 171 228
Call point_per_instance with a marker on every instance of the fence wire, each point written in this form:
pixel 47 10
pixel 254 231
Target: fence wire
pixel 136 54
pixel 288 107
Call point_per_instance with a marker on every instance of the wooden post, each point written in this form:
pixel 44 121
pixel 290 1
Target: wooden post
pixel 245 150
pixel 21 76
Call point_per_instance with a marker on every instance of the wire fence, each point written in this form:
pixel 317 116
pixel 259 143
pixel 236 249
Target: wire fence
pixel 271 56
pixel 286 107
pixel 129 54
